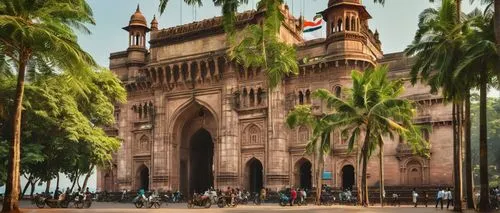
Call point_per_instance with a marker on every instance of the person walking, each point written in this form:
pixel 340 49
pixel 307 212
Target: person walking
pixel 293 196
pixel 426 198
pixel 262 194
pixel 439 199
pixel 450 198
pixel 414 197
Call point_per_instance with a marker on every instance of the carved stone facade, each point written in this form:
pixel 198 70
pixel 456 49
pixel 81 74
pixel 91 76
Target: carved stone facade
pixel 194 119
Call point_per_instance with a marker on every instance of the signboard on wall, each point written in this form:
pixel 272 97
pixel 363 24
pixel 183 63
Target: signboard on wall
pixel 327 175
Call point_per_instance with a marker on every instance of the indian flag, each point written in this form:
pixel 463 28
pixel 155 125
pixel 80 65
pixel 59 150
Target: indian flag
pixel 312 29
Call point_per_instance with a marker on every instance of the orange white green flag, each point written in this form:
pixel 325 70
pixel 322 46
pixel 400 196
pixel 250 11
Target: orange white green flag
pixel 312 29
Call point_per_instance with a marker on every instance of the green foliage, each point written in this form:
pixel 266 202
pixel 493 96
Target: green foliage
pixel 61 128
pixel 493 116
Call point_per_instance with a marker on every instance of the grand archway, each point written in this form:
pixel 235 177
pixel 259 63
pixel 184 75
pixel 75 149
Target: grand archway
pixel 303 174
pixel 201 154
pixel 195 130
pixel 142 178
pixel 254 175
pixel 348 177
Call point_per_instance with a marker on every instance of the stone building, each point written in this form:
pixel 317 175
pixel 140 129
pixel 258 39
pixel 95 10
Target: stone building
pixel 194 119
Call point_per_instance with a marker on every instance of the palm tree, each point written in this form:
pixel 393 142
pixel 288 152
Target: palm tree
pixel 372 106
pixel 437 48
pixel 318 144
pixel 44 30
pixel 480 64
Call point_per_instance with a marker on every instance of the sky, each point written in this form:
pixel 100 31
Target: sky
pixel 396 21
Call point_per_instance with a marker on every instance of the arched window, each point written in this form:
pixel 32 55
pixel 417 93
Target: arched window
pixel 308 96
pixel 260 96
pixel 425 134
pixel 253 134
pixel 303 135
pixel 143 145
pixel 337 91
pixel 347 24
pixel 332 27
pixel 252 97
pixel 339 25
pixel 137 39
pixel 353 24
pixel 244 96
pixel 301 97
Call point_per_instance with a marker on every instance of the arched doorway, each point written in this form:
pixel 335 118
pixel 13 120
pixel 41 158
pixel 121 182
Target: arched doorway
pixel 348 177
pixel 201 161
pixel 194 131
pixel 414 173
pixel 142 178
pixel 254 175
pixel 303 174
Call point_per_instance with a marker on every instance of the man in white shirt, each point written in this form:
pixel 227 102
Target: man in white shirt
pixel 439 199
pixel 450 198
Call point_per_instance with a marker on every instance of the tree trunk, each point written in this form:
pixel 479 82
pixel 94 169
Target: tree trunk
pixel 364 154
pixel 483 144
pixel 457 170
pixel 74 180
pixel 381 158
pixel 47 187
pixel 497 23
pixel 10 202
pixel 468 153
pixel 57 181
pixel 87 177
pixel 33 184
pixel 358 176
pixel 25 187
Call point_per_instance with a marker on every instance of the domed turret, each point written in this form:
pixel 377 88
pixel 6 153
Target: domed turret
pixel 137 19
pixel 154 24
pixel 137 28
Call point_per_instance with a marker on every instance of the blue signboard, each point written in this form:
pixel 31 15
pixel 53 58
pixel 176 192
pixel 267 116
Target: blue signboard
pixel 327 175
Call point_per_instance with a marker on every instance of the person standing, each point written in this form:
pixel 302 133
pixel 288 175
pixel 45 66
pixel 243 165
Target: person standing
pixel 426 198
pixel 414 197
pixel 450 198
pixel 293 196
pixel 262 195
pixel 439 199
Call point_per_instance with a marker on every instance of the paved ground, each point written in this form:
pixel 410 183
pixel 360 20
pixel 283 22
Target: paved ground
pixel 125 208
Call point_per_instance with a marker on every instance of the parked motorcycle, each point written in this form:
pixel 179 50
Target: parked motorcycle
pixel 82 201
pixel 199 200
pixel 326 199
pixel 225 201
pixel 283 199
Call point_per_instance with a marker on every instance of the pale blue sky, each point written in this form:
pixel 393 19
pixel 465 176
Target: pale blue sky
pixel 396 21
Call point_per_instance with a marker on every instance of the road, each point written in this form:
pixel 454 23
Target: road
pixel 125 208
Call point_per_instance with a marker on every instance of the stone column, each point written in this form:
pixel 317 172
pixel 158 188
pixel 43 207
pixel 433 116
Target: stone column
pixel 229 149
pixel 277 153
pixel 124 154
pixel 159 152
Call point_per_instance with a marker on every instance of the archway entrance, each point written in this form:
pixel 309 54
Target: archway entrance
pixel 201 161
pixel 143 178
pixel 348 177
pixel 303 171
pixel 194 131
pixel 255 175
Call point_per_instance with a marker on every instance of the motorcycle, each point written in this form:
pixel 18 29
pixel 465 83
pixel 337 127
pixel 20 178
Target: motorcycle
pixel 256 199
pixel 199 200
pixel 326 199
pixel 283 199
pixel 82 201
pixel 40 201
pixel 225 201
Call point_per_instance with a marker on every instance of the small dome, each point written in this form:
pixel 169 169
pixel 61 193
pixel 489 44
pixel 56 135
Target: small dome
pixel 332 2
pixel 137 19
pixel 154 23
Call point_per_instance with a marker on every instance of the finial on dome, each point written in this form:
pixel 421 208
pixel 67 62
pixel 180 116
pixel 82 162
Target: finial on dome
pixel 138 10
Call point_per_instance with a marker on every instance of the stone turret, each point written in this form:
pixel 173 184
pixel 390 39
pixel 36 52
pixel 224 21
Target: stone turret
pixel 347 30
pixel 154 24
pixel 136 51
